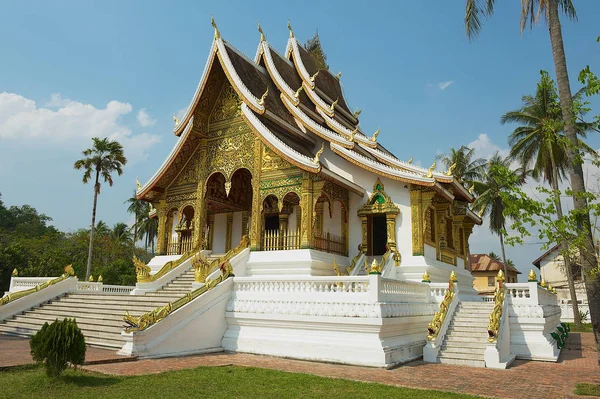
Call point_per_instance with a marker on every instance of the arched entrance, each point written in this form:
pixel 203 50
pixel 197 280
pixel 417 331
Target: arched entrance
pixel 228 208
pixel 378 218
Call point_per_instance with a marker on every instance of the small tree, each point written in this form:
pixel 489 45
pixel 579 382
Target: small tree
pixel 57 345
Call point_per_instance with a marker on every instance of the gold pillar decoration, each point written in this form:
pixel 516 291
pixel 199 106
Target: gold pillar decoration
pixel 256 220
pixel 365 228
pixel 532 277
pixel 420 201
pixel 228 231
pixel 307 211
pixel 468 230
pixel 211 230
pixel 200 215
pixel 161 213
pixel 319 216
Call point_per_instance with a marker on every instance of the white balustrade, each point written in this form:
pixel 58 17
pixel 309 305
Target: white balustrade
pixel 530 294
pixel 94 287
pixel 404 291
pixel 25 283
pixel 438 291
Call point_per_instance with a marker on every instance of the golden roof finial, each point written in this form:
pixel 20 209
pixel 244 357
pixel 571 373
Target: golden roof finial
pixel 356 112
pixel 543 282
pixel 472 189
pixel 481 212
pixel 531 276
pixel 312 78
pixel 431 169
pixel 139 185
pixel 91 279
pixel 290 28
pixel 175 120
pixel 353 133
pixel 451 169
pixel 15 272
pixel 262 34
pixel 99 279
pixel 374 138
pixel 410 160
pixel 262 98
pixel 333 104
pixel 297 93
pixel 318 154
pixel 339 75
pixel 214 25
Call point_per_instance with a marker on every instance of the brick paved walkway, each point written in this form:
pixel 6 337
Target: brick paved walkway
pixel 524 379
pixel 14 351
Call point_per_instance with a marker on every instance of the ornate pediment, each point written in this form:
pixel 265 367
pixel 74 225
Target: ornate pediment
pixel 378 202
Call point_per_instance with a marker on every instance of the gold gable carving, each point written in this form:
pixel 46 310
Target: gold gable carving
pixel 227 106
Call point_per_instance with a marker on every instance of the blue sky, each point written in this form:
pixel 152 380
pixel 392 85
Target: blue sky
pixel 71 70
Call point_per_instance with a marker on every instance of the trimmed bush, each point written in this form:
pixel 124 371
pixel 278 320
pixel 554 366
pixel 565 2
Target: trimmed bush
pixel 57 345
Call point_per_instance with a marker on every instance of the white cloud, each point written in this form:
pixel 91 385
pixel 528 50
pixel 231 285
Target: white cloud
pixel 181 113
pixel 445 85
pixel 56 101
pixel 72 124
pixel 144 118
pixel 485 148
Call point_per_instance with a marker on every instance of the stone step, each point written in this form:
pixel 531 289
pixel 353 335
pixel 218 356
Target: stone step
pixel 71 307
pixel 462 362
pixel 460 339
pixel 80 318
pixel 107 314
pixel 474 351
pixel 474 311
pixel 87 332
pixel 469 328
pixel 110 343
pixel 474 318
pixel 90 298
pixel 464 356
pixel 473 334
pixel 148 301
pixel 90 329
pixel 473 304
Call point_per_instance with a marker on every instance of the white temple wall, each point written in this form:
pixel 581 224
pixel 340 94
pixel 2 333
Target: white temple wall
pixel 236 229
pixel 292 226
pixel 218 245
pixel 333 224
pixel 174 225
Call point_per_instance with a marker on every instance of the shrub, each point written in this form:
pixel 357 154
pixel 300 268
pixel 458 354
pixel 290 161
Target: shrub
pixel 57 344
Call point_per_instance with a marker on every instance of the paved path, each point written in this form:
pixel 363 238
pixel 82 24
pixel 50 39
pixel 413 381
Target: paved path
pixel 524 379
pixel 14 351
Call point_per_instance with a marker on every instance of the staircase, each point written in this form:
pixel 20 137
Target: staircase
pixel 99 316
pixel 466 337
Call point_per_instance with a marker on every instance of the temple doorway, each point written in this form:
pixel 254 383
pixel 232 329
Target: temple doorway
pixel 377 239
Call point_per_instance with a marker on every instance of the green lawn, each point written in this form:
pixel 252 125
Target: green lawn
pixel 213 382
pixel 588 389
pixel 585 327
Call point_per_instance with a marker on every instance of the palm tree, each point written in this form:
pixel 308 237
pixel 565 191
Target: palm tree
pixel 539 140
pixel 101 229
pixel 489 199
pixel 104 158
pixel 136 206
pixel 147 227
pixel 531 11
pixel 494 255
pixel 466 170
pixel 121 233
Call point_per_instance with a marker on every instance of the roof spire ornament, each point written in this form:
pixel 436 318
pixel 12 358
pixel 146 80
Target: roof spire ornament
pixel 333 104
pixel 297 93
pixel 290 28
pixel 353 133
pixel 410 160
pixel 472 189
pixel 451 169
pixel 318 154
pixel 374 138
pixel 262 34
pixel 431 169
pixel 139 185
pixel 312 78
pixel 175 120
pixel 214 25
pixel 356 112
pixel 339 75
pixel 262 98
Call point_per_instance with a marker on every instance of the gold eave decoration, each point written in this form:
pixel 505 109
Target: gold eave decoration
pixel 214 25
pixel 430 170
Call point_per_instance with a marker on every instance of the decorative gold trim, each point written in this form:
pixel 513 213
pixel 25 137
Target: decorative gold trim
pixel 433 328
pixel 20 294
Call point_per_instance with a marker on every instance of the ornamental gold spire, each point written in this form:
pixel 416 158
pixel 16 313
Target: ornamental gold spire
pixel 139 185
pixel 451 169
pixel 262 34
pixel 410 160
pixel 472 189
pixel 339 75
pixel 312 78
pixel 214 25
pixel 532 277
pixel 318 154
pixel 353 133
pixel 297 93
pixel 290 28
pixel 357 112
pixel 262 98
pixel 374 138
pixel 431 169
pixel 333 104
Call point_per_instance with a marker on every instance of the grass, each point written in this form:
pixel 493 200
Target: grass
pixel 585 327
pixel 216 382
pixel 588 389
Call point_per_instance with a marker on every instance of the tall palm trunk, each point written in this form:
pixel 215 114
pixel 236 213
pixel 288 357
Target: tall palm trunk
pixel 503 253
pixel 587 255
pixel 89 262
pixel 563 247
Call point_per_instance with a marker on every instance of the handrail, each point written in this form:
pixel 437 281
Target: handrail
pixel 148 319
pixel 434 327
pixel 142 271
pixel 203 269
pixel 496 314
pixel 20 294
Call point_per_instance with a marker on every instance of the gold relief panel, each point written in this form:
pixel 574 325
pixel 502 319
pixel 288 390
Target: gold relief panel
pixel 272 161
pixel 189 174
pixel 227 106
pixel 230 153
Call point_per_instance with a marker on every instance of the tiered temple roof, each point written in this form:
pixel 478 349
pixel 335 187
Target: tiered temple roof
pixel 288 101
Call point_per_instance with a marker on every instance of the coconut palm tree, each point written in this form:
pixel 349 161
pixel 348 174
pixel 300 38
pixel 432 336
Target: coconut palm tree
pixel 466 170
pixel 539 140
pixel 121 233
pixel 532 11
pixel 136 206
pixel 147 227
pixel 494 255
pixel 101 160
pixel 101 229
pixel 489 200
